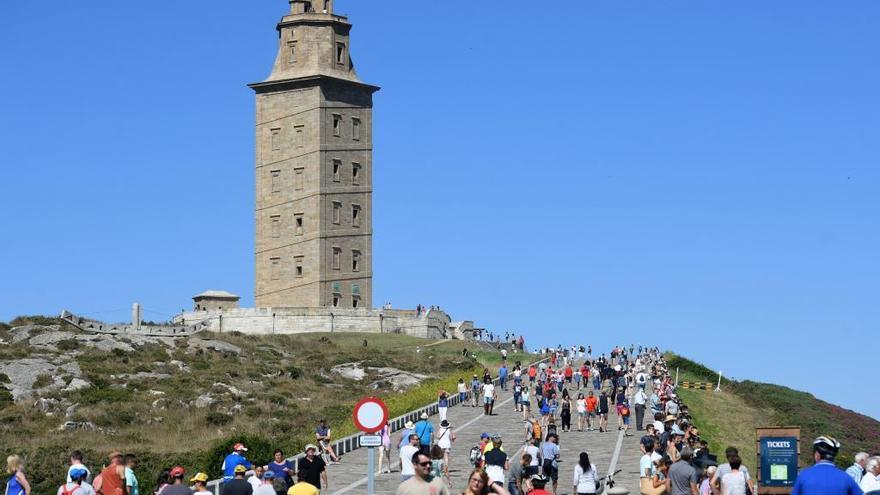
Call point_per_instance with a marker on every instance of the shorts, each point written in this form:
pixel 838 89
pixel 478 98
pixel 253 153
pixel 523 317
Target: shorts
pixel 487 400
pixel 592 414
pixel 550 471
pixel 582 413
pixel 530 470
pixel 620 409
pixel 461 396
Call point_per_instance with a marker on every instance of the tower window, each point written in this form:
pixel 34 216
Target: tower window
pixel 337 168
pixel 298 135
pixel 292 50
pixel 337 212
pixel 356 128
pixel 276 181
pixel 355 215
pixel 275 225
pixel 337 124
pixel 355 173
pixel 298 221
pixel 340 53
pixel 355 260
pixel 337 256
pixel 336 298
pixel 298 179
pixel 274 268
pixel 276 139
pixel 355 301
pixel 298 266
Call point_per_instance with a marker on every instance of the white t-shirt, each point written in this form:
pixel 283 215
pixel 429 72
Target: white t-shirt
pixel 488 390
pixel 532 451
pixel 646 463
pixel 406 465
pixel 255 482
pixel 733 484
pixel 869 483
pixel 84 489
pixel 496 473
pixel 585 481
pixel 462 387
pixel 444 438
pixel 582 405
pixel 263 489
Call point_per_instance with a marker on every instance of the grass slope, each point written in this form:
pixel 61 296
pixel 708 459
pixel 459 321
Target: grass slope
pixel 730 417
pixel 282 386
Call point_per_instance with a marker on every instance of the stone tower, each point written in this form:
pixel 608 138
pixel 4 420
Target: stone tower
pixel 314 166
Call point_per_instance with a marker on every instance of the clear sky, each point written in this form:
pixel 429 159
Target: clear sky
pixel 698 175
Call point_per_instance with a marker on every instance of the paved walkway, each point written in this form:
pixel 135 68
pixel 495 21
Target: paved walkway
pixel 349 477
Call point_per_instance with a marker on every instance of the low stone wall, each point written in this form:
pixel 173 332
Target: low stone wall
pixel 94 326
pixel 285 321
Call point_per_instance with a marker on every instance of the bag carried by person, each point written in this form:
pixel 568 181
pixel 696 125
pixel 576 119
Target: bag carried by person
pixel 475 456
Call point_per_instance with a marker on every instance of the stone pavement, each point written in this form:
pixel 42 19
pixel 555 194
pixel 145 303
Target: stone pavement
pixel 349 477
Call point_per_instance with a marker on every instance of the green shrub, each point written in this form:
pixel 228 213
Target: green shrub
pixel 43 380
pixel 5 398
pixel 67 345
pixel 98 395
pixel 218 419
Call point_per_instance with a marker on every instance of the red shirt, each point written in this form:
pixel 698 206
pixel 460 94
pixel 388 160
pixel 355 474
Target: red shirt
pixel 568 372
pixel 539 492
pixel 532 372
pixel 585 372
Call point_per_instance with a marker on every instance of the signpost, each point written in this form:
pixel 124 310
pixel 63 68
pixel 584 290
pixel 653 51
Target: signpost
pixel 370 415
pixel 778 452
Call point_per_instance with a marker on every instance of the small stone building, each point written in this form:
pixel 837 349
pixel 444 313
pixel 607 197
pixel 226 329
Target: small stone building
pixel 215 300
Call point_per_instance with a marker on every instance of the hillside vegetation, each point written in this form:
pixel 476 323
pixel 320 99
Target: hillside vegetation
pixel 187 400
pixel 731 416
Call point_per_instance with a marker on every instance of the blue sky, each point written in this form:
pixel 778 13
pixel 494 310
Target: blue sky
pixel 698 175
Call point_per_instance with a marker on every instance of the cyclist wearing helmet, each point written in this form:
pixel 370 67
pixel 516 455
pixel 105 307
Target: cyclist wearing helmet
pixel 825 478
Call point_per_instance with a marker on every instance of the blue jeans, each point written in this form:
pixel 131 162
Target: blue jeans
pixel 512 488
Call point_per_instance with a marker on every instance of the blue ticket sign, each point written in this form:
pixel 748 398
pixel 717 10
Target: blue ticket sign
pixel 779 461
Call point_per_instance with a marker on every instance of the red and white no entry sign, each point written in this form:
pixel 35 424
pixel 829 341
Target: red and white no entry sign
pixel 370 414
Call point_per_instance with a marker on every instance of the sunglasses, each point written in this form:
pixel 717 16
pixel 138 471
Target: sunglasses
pixel 423 464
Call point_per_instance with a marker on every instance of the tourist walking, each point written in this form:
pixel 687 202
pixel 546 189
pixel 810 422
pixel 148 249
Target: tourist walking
pixel 478 484
pixel 682 475
pixel 586 476
pixel 445 437
pixel 442 404
pixel 17 484
pixel 312 468
pixel 385 448
pixel 422 482
pixel 113 476
pixel 425 431
pixel 77 485
pixel 824 478
pixel 734 482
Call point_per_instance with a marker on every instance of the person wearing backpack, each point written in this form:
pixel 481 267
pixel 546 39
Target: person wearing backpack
pixel 77 484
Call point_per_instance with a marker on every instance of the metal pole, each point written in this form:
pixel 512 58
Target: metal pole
pixel 676 377
pixel 371 470
pixel 718 388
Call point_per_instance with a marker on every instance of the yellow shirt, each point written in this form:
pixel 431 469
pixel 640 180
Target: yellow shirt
pixel 303 488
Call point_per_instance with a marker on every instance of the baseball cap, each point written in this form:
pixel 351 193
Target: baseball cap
pixel 239 446
pixel 177 471
pixel 77 473
pixel 484 435
pixel 238 469
pixel 199 477
pixel 268 475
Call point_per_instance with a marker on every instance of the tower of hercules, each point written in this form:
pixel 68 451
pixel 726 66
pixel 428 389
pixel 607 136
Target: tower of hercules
pixel 314 165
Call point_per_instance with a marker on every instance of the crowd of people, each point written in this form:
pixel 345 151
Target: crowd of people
pixel 677 461
pixel 568 393
pixel 278 476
